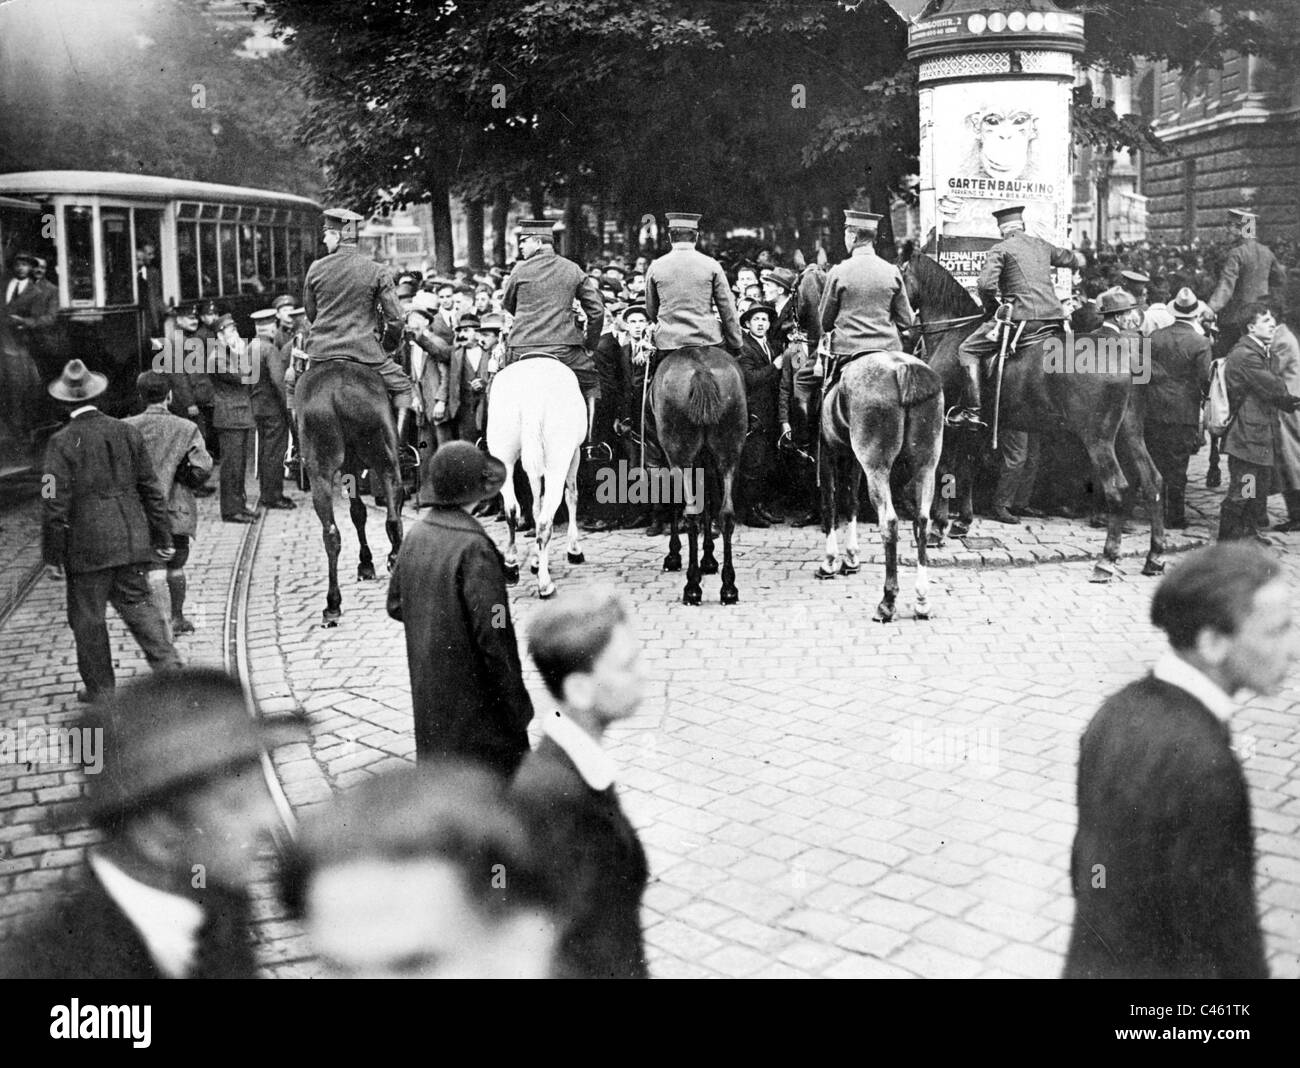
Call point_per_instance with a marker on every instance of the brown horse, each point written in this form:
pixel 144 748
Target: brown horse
pixel 345 425
pixel 886 406
pixel 1098 408
pixel 700 414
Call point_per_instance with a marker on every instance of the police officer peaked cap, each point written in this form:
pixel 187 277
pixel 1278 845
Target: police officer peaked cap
pixel 1134 276
pixel 541 228
pixel 264 315
pixel 861 220
pixel 679 220
pixel 1014 214
pixel 223 322
pixel 337 218
pixel 1240 215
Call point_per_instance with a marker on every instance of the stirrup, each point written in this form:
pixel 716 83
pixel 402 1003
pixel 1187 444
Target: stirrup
pixel 415 454
pixel 964 417
pixel 592 449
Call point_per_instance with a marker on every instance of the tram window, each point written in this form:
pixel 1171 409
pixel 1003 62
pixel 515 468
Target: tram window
pixel 248 280
pixel 148 228
pixel 265 265
pixel 77 223
pixel 208 258
pixel 115 233
pixel 282 271
pixel 229 259
pixel 187 260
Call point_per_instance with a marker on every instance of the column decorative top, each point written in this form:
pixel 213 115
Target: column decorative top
pixel 964 26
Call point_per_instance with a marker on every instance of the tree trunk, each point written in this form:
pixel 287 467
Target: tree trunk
pixel 444 252
pixel 575 230
pixel 474 232
pixel 500 215
pixel 538 202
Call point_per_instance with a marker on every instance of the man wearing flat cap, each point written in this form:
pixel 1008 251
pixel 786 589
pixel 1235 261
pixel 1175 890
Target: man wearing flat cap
pixel 1249 273
pixel 1018 270
pixel 347 296
pixel 183 806
pixel 105 524
pixel 540 294
pixel 448 587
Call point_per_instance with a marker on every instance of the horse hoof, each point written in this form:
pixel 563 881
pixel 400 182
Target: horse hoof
pixel 822 573
pixel 708 566
pixel 922 611
pixel 692 595
pixel 366 573
pixel 575 558
pixel 884 613
pixel 934 541
pixel 546 592
pixel 849 569
pixel 1102 573
pixel 730 595
pixel 959 530
pixel 512 574
pixel 330 619
pixel 672 563
pixel 1153 566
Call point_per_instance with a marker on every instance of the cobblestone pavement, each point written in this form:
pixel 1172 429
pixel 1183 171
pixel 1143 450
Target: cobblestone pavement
pixel 819 795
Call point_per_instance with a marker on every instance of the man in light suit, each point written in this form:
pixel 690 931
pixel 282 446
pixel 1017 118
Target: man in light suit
pixel 1163 861
pixel 589 659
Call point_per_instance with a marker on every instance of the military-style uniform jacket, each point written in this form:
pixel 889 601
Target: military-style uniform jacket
pixel 682 287
pixel 1020 268
pixel 270 399
pixel 540 293
pixel 1249 272
pixel 341 295
pixel 865 303
pixel 232 405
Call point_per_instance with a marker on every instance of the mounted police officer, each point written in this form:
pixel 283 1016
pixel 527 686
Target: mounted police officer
pixel 1249 272
pixel 864 304
pixel 1019 267
pixel 343 294
pixel 540 294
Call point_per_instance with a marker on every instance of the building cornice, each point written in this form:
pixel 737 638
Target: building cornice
pixel 1249 113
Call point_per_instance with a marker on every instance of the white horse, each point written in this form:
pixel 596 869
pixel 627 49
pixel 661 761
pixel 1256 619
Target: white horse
pixel 536 413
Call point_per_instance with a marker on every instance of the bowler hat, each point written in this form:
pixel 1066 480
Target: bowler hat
pixel 78 383
pixel 171 731
pixel 754 309
pixel 1115 300
pixel 460 474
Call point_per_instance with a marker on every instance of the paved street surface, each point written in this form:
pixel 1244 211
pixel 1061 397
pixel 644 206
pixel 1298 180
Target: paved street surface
pixel 819 795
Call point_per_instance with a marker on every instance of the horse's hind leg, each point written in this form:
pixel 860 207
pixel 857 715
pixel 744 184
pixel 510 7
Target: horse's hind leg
pixel 1106 465
pixel 322 500
pixel 708 562
pixel 881 499
pixel 851 481
pixel 574 549
pixel 394 492
pixel 727 521
pixel 693 594
pixel 357 509
pixel 1152 486
pixel 673 561
pixel 829 469
pixel 924 445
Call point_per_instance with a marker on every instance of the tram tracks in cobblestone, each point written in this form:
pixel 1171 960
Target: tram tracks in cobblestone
pixel 235 655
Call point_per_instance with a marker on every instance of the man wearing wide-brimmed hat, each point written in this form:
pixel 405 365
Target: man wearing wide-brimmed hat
pixel 173 782
pixel 1180 374
pixel 106 522
pixel 448 586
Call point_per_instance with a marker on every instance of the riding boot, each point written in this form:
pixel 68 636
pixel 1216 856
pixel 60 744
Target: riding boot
pixel 972 404
pixel 408 455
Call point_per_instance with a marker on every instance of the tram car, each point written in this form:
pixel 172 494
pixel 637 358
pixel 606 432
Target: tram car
pixel 94 231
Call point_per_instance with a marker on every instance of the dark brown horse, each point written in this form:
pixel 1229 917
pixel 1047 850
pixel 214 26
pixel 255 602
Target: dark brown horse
pixel 1098 408
pixel 886 406
pixel 346 426
pixel 701 416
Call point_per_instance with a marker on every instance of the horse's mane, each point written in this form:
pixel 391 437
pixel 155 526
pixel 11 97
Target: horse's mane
pixel 940 294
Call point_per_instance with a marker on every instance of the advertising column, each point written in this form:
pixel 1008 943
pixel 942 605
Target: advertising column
pixel 995 94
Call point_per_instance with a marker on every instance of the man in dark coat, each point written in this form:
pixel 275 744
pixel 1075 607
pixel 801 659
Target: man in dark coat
pixel 230 370
pixel 1256 394
pixel 761 365
pixel 1163 861
pixel 270 409
pixel 105 523
pixel 590 660
pixel 1180 374
pixel 448 587
pixel 182 807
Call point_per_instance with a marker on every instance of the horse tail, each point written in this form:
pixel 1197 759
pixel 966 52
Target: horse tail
pixel 917 383
pixel 703 398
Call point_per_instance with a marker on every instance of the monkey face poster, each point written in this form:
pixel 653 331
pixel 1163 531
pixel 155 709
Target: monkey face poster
pixel 987 145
